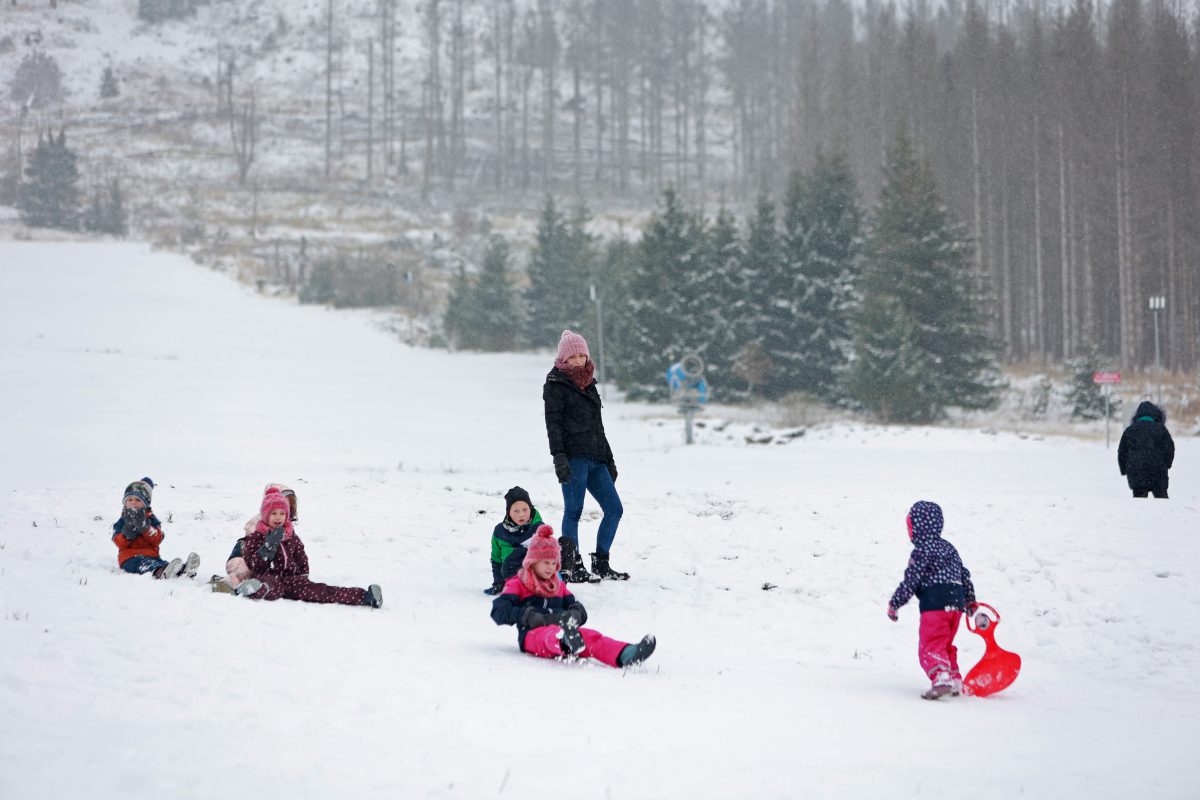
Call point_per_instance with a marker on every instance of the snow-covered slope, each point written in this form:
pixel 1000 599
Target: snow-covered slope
pixel 119 362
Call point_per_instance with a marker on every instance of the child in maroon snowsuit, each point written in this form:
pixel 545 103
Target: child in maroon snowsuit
pixel 943 585
pixel 548 617
pixel 276 558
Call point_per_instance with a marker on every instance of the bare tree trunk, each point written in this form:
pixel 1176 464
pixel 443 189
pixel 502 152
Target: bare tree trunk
pixel 548 47
pixel 577 112
pixel 457 94
pixel 243 130
pixel 598 77
pixel 370 110
pixel 328 88
pixel 1127 301
pixel 498 96
pixel 977 182
pixel 1064 214
pixel 435 136
pixel 701 105
pixel 1039 281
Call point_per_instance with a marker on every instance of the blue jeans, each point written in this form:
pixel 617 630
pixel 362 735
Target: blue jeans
pixel 140 565
pixel 589 475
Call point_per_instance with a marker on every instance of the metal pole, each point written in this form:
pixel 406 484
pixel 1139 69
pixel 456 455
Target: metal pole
pixel 1107 416
pixel 688 414
pixel 599 335
pixel 1157 361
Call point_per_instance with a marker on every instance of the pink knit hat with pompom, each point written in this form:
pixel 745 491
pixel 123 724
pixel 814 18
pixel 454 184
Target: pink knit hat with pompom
pixel 274 499
pixel 543 545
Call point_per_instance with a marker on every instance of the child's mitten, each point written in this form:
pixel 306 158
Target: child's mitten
pixel 893 614
pixel 133 523
pixel 267 551
pixel 532 618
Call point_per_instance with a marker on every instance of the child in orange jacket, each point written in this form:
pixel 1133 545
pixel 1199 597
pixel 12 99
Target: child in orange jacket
pixel 138 533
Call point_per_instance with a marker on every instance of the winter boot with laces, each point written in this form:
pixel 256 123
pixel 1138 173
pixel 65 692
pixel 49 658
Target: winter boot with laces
pixel 604 570
pixel 172 570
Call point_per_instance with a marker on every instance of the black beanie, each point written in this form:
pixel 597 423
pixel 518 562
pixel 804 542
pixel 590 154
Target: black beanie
pixel 513 495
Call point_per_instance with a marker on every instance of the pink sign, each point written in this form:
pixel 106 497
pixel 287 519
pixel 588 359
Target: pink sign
pixel 1106 377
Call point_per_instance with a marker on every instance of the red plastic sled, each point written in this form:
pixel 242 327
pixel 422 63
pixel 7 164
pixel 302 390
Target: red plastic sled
pixel 998 668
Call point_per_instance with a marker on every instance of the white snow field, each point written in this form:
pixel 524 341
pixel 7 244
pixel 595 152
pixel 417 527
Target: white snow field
pixel 119 362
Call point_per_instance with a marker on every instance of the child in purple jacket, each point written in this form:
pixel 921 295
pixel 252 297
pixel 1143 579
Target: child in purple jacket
pixel 936 575
pixel 549 618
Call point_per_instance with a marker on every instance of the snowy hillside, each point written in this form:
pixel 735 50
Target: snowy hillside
pixel 120 362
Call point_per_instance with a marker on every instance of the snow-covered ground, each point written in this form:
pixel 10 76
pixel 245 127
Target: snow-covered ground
pixel 119 362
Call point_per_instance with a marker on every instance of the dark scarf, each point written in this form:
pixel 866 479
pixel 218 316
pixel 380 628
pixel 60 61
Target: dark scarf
pixel 580 376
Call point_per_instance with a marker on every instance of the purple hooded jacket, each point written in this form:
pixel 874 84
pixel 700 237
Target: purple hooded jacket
pixel 935 572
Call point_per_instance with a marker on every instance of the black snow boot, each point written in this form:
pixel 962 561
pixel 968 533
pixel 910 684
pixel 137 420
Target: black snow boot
pixel 636 653
pixel 573 570
pixel 571 638
pixel 601 567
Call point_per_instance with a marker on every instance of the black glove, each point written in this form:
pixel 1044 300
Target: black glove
pixel 612 470
pixel 267 551
pixel 533 618
pixel 562 468
pixel 133 523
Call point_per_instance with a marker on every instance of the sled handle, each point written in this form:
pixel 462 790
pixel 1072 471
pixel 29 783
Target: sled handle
pixel 971 617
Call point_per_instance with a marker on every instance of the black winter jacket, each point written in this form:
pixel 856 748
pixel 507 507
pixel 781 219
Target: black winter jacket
pixel 573 423
pixel 1146 450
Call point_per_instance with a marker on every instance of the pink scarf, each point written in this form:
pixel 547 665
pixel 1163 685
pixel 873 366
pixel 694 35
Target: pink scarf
pixel 542 588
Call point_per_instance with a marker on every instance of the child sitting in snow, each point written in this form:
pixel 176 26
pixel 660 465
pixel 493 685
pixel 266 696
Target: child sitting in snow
pixel 548 617
pixel 943 585
pixel 236 570
pixel 510 537
pixel 279 566
pixel 138 533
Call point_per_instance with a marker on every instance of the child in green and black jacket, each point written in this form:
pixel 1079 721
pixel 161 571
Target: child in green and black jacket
pixel 510 537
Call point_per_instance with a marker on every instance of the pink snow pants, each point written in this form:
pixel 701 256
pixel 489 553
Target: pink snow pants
pixel 936 650
pixel 543 642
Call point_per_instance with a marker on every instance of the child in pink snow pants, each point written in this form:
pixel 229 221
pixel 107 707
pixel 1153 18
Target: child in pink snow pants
pixel 549 618
pixel 936 575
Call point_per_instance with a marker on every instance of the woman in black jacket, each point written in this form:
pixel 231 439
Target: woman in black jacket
pixel 1146 451
pixel 583 461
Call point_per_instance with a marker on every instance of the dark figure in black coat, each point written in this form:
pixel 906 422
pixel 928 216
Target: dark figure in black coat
pixel 583 461
pixel 1146 451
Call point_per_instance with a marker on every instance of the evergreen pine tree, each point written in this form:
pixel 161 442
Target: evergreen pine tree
pixel 116 219
pixel 49 196
pixel 460 315
pixel 495 326
pixel 918 282
pixel 763 300
pixel 1085 398
pixel 822 243
pixel 654 336
pixel 720 255
pixel 559 272
pixel 108 84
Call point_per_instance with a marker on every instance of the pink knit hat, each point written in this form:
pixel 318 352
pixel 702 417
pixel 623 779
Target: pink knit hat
pixel 274 499
pixel 543 545
pixel 571 344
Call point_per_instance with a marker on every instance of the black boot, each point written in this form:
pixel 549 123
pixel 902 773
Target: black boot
pixel 601 567
pixel 573 570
